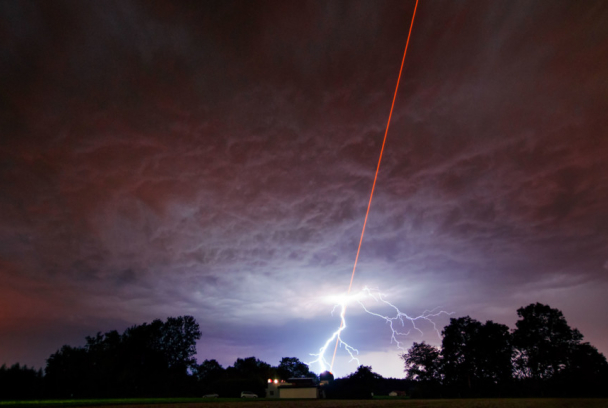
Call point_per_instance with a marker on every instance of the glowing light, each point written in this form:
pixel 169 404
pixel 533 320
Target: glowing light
pixel 344 299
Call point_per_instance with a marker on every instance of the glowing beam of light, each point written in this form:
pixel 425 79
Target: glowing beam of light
pixel 397 317
pixel 369 204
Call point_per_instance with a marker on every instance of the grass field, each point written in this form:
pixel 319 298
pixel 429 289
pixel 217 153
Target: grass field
pixel 274 403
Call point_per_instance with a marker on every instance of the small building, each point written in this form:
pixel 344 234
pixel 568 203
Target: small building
pixel 293 388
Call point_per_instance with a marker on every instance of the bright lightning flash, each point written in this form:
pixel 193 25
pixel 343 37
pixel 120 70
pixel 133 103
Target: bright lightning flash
pixel 393 320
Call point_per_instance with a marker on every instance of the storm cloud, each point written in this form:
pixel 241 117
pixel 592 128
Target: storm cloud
pixel 216 159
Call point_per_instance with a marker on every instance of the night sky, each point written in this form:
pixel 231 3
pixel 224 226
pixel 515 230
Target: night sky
pixel 215 159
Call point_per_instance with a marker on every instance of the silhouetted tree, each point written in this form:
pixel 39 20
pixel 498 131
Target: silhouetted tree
pixel 251 367
pixel 68 372
pixel 550 358
pixel 459 341
pixel 292 367
pixel 209 371
pixel 247 374
pixel 360 384
pixel 543 341
pixel 586 373
pixel 476 357
pixel 19 382
pixel 177 341
pixel 209 374
pixel 364 380
pixel 493 357
pixel 423 362
pixel 146 360
pixel 423 365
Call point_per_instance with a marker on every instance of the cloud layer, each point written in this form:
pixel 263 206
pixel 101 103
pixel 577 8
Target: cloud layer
pixel 216 160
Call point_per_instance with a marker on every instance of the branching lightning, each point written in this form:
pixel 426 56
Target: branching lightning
pixel 395 320
pixel 335 336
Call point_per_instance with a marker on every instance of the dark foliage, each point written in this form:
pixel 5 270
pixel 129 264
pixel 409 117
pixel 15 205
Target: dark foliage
pixel 20 382
pixel 250 374
pixel 423 364
pixel 146 360
pixel 476 358
pixel 208 372
pixel 359 385
pixel 291 367
pixel 543 356
pixel 550 358
pixel 544 342
pixel 586 374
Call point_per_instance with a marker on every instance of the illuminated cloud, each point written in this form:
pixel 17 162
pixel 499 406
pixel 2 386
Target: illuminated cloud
pixel 217 161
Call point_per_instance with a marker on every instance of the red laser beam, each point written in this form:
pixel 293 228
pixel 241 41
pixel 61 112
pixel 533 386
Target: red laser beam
pixel 369 204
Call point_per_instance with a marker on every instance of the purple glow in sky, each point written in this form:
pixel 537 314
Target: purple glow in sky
pixel 215 159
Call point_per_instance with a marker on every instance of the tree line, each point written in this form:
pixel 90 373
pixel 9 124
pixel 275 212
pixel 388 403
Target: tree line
pixel 147 360
pixel 542 356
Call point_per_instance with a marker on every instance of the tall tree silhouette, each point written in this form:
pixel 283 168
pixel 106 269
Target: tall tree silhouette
pixel 423 362
pixel 459 342
pixel 493 354
pixel 476 357
pixel 543 340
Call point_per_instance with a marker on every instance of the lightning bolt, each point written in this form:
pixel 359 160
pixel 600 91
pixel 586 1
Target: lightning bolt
pixel 395 320
pixel 335 336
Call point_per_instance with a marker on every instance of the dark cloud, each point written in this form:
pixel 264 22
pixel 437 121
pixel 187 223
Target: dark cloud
pixel 216 159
